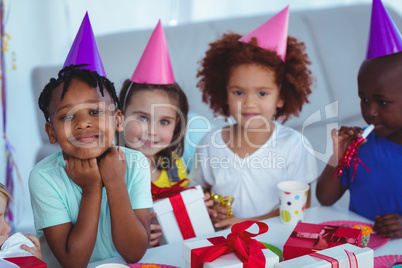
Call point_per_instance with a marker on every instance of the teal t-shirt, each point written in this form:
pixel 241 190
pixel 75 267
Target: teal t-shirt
pixel 55 198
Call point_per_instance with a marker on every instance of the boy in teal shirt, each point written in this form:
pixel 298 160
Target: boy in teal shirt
pixel 91 201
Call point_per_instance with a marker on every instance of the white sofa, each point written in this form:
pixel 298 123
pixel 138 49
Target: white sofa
pixel 336 41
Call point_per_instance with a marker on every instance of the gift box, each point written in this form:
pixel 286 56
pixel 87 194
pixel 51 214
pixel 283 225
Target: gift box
pixel 343 256
pixel 307 238
pixel 232 251
pixel 27 262
pixel 183 216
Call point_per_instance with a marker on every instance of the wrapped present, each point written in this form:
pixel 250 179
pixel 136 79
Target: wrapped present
pixel 343 256
pixel 307 238
pixel 183 215
pixel 239 249
pixel 27 262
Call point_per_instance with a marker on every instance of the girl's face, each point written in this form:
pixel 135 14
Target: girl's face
pixel 380 95
pixel 5 228
pixel 253 96
pixel 150 121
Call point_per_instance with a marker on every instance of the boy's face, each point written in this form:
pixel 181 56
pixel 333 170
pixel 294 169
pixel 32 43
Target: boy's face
pixel 380 92
pixel 5 228
pixel 84 122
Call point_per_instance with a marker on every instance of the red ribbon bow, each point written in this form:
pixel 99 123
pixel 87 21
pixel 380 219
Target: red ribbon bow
pixel 324 237
pixel 239 241
pixel 159 193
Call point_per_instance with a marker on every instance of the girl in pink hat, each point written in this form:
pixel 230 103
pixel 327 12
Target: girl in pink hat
pixel 255 81
pixel 155 110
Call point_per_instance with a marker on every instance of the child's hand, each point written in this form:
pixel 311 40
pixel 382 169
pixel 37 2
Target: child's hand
pixel 216 212
pixel 343 137
pixel 220 212
pixel 227 223
pixel 36 250
pixel 156 233
pixel 84 173
pixel 389 225
pixel 112 165
pixel 209 203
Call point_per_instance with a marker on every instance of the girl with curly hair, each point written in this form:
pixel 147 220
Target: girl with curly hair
pixel 255 88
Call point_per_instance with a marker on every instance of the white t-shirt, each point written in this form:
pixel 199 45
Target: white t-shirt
pixel 252 180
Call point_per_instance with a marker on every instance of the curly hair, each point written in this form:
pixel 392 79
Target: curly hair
pixel 293 77
pixel 175 92
pixel 65 76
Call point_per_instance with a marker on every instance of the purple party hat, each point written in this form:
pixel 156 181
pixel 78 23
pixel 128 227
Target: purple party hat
pixel 384 38
pixel 85 50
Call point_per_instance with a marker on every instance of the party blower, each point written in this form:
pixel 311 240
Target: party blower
pixel 350 156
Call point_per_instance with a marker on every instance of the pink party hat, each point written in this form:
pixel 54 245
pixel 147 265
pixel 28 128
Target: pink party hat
pixel 154 66
pixel 272 34
pixel 85 50
pixel 385 37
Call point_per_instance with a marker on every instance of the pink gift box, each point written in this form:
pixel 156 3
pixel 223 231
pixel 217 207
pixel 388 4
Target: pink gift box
pixel 307 238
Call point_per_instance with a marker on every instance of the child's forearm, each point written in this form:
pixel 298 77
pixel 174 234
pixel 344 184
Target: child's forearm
pixel 271 214
pixel 329 188
pixel 130 230
pixel 227 223
pixel 73 244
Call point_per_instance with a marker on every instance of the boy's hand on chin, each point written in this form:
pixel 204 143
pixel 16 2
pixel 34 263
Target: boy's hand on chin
pixel 85 173
pixel 112 165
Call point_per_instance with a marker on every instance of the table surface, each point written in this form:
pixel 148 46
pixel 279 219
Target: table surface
pixel 277 235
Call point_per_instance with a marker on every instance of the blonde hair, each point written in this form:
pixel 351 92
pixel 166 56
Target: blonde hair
pixel 4 191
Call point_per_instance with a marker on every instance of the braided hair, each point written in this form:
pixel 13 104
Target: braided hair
pixel 65 76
